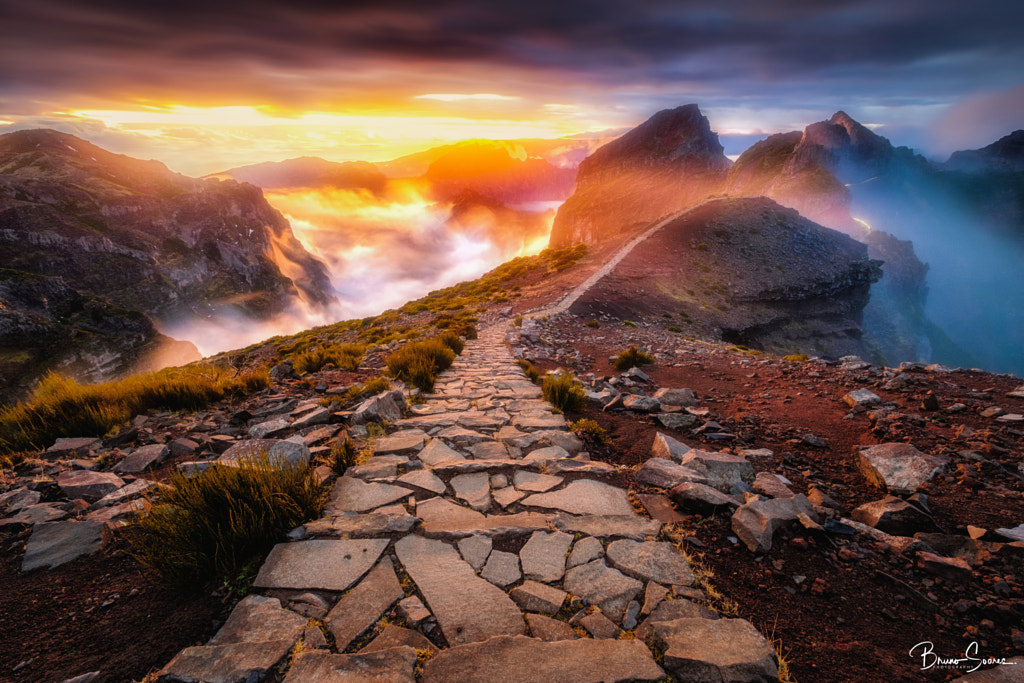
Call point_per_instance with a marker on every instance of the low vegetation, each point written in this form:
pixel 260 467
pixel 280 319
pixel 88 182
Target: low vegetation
pixel 342 356
pixel 564 392
pixel 532 373
pixel 343 455
pixel 590 432
pixel 419 363
pixel 215 523
pixel 61 407
pixel 632 358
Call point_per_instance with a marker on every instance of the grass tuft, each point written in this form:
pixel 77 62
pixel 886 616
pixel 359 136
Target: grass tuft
pixel 344 454
pixel 62 407
pixel 532 373
pixel 342 356
pixel 419 363
pixel 215 523
pixel 564 392
pixel 632 358
pixel 590 432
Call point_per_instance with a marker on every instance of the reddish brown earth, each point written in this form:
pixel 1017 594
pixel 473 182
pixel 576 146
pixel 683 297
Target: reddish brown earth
pixel 859 623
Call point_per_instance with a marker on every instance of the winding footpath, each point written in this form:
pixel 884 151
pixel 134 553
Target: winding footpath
pixel 479 543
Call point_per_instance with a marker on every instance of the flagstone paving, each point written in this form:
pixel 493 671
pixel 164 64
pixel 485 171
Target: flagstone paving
pixel 481 534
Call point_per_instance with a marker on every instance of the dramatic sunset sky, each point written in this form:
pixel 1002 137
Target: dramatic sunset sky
pixel 208 85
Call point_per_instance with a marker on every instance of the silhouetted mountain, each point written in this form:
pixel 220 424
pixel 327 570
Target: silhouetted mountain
pixel 1004 155
pixel 671 161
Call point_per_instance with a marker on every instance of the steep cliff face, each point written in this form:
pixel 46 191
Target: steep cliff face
pixel 747 271
pixel 143 237
pixel 668 163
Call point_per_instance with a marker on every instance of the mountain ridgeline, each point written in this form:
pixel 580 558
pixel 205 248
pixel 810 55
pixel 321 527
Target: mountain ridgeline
pixel 949 237
pixel 100 249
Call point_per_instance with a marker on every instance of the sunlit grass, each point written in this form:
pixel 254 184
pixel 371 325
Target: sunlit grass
pixel 419 363
pixel 213 524
pixel 564 392
pixel 61 407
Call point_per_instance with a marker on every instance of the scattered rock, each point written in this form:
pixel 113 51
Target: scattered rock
pixel 584 497
pixel 89 486
pixel 897 467
pixel 54 543
pixel 393 665
pixel 666 474
pixel 722 470
pixel 862 397
pixel 668 448
pixel 543 556
pixel 650 561
pixel 142 459
pixel 715 650
pixel 756 521
pixel 538 597
pixel 893 516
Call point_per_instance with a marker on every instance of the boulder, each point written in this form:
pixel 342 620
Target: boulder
pixel 666 474
pixel 641 404
pixel 715 650
pixel 141 459
pixel 384 407
pixel 722 470
pixel 862 397
pixel 676 397
pixel 695 496
pixel 897 467
pixel 893 516
pixel 54 543
pixel 755 522
pixel 668 448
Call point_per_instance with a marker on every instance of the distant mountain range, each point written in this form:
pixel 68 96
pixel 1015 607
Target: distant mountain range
pixel 98 250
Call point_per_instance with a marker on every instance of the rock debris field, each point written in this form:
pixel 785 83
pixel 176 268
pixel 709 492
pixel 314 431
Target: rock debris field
pixel 481 523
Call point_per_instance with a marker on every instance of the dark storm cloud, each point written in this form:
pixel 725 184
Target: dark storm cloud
pixel 230 48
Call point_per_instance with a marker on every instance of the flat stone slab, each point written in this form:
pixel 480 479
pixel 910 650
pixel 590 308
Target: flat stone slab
pixel 493 526
pixel 424 479
pixel 578 467
pixel 475 550
pixel 715 650
pixel 597 584
pixel 468 609
pixel 362 606
pixel 538 597
pixel 393 665
pixel 543 556
pixel 87 485
pixel 142 459
pixel 36 514
pixel 54 543
pixel 534 482
pixel 548 629
pixel 437 452
pixel 489 450
pixel 396 636
pixel 355 495
pixel 382 521
pixel 474 489
pixel 650 561
pixel 898 467
pixel 506 496
pixel 75 447
pixel 694 496
pixel 269 428
pixel 609 526
pixel 585 550
pixel 660 508
pixel 529 660
pixel 534 422
pixel 319 564
pixel 405 442
pixel 666 474
pixel 230 663
pixel 442 511
pixel 502 569
pixel 259 619
pixel 584 497
pixel 755 522
pixel 462 437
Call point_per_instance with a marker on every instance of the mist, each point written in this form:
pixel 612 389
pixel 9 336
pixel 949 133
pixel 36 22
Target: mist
pixel 382 251
pixel 975 279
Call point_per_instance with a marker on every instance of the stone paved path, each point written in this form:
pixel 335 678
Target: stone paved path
pixel 479 525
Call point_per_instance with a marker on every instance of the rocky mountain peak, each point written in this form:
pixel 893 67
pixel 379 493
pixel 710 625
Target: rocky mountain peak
pixel 680 136
pixel 1004 155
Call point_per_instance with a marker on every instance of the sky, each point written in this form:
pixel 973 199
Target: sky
pixel 205 86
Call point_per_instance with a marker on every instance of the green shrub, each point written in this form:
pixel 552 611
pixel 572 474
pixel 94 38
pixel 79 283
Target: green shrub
pixel 629 323
pixel 62 407
pixel 564 392
pixel 593 323
pixel 343 356
pixel 343 455
pixel 214 523
pixel 632 358
pixel 674 328
pixel 532 373
pixel 375 386
pixel 419 363
pixel 452 341
pixel 590 432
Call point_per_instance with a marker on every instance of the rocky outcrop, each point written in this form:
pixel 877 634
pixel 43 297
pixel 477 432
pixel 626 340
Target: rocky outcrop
pixel 671 161
pixel 1005 154
pixel 117 244
pixel 747 271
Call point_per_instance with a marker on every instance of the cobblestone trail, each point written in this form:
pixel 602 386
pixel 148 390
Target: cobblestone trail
pixel 493 548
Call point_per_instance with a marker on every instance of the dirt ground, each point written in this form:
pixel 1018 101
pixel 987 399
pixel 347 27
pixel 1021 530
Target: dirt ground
pixel 843 608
